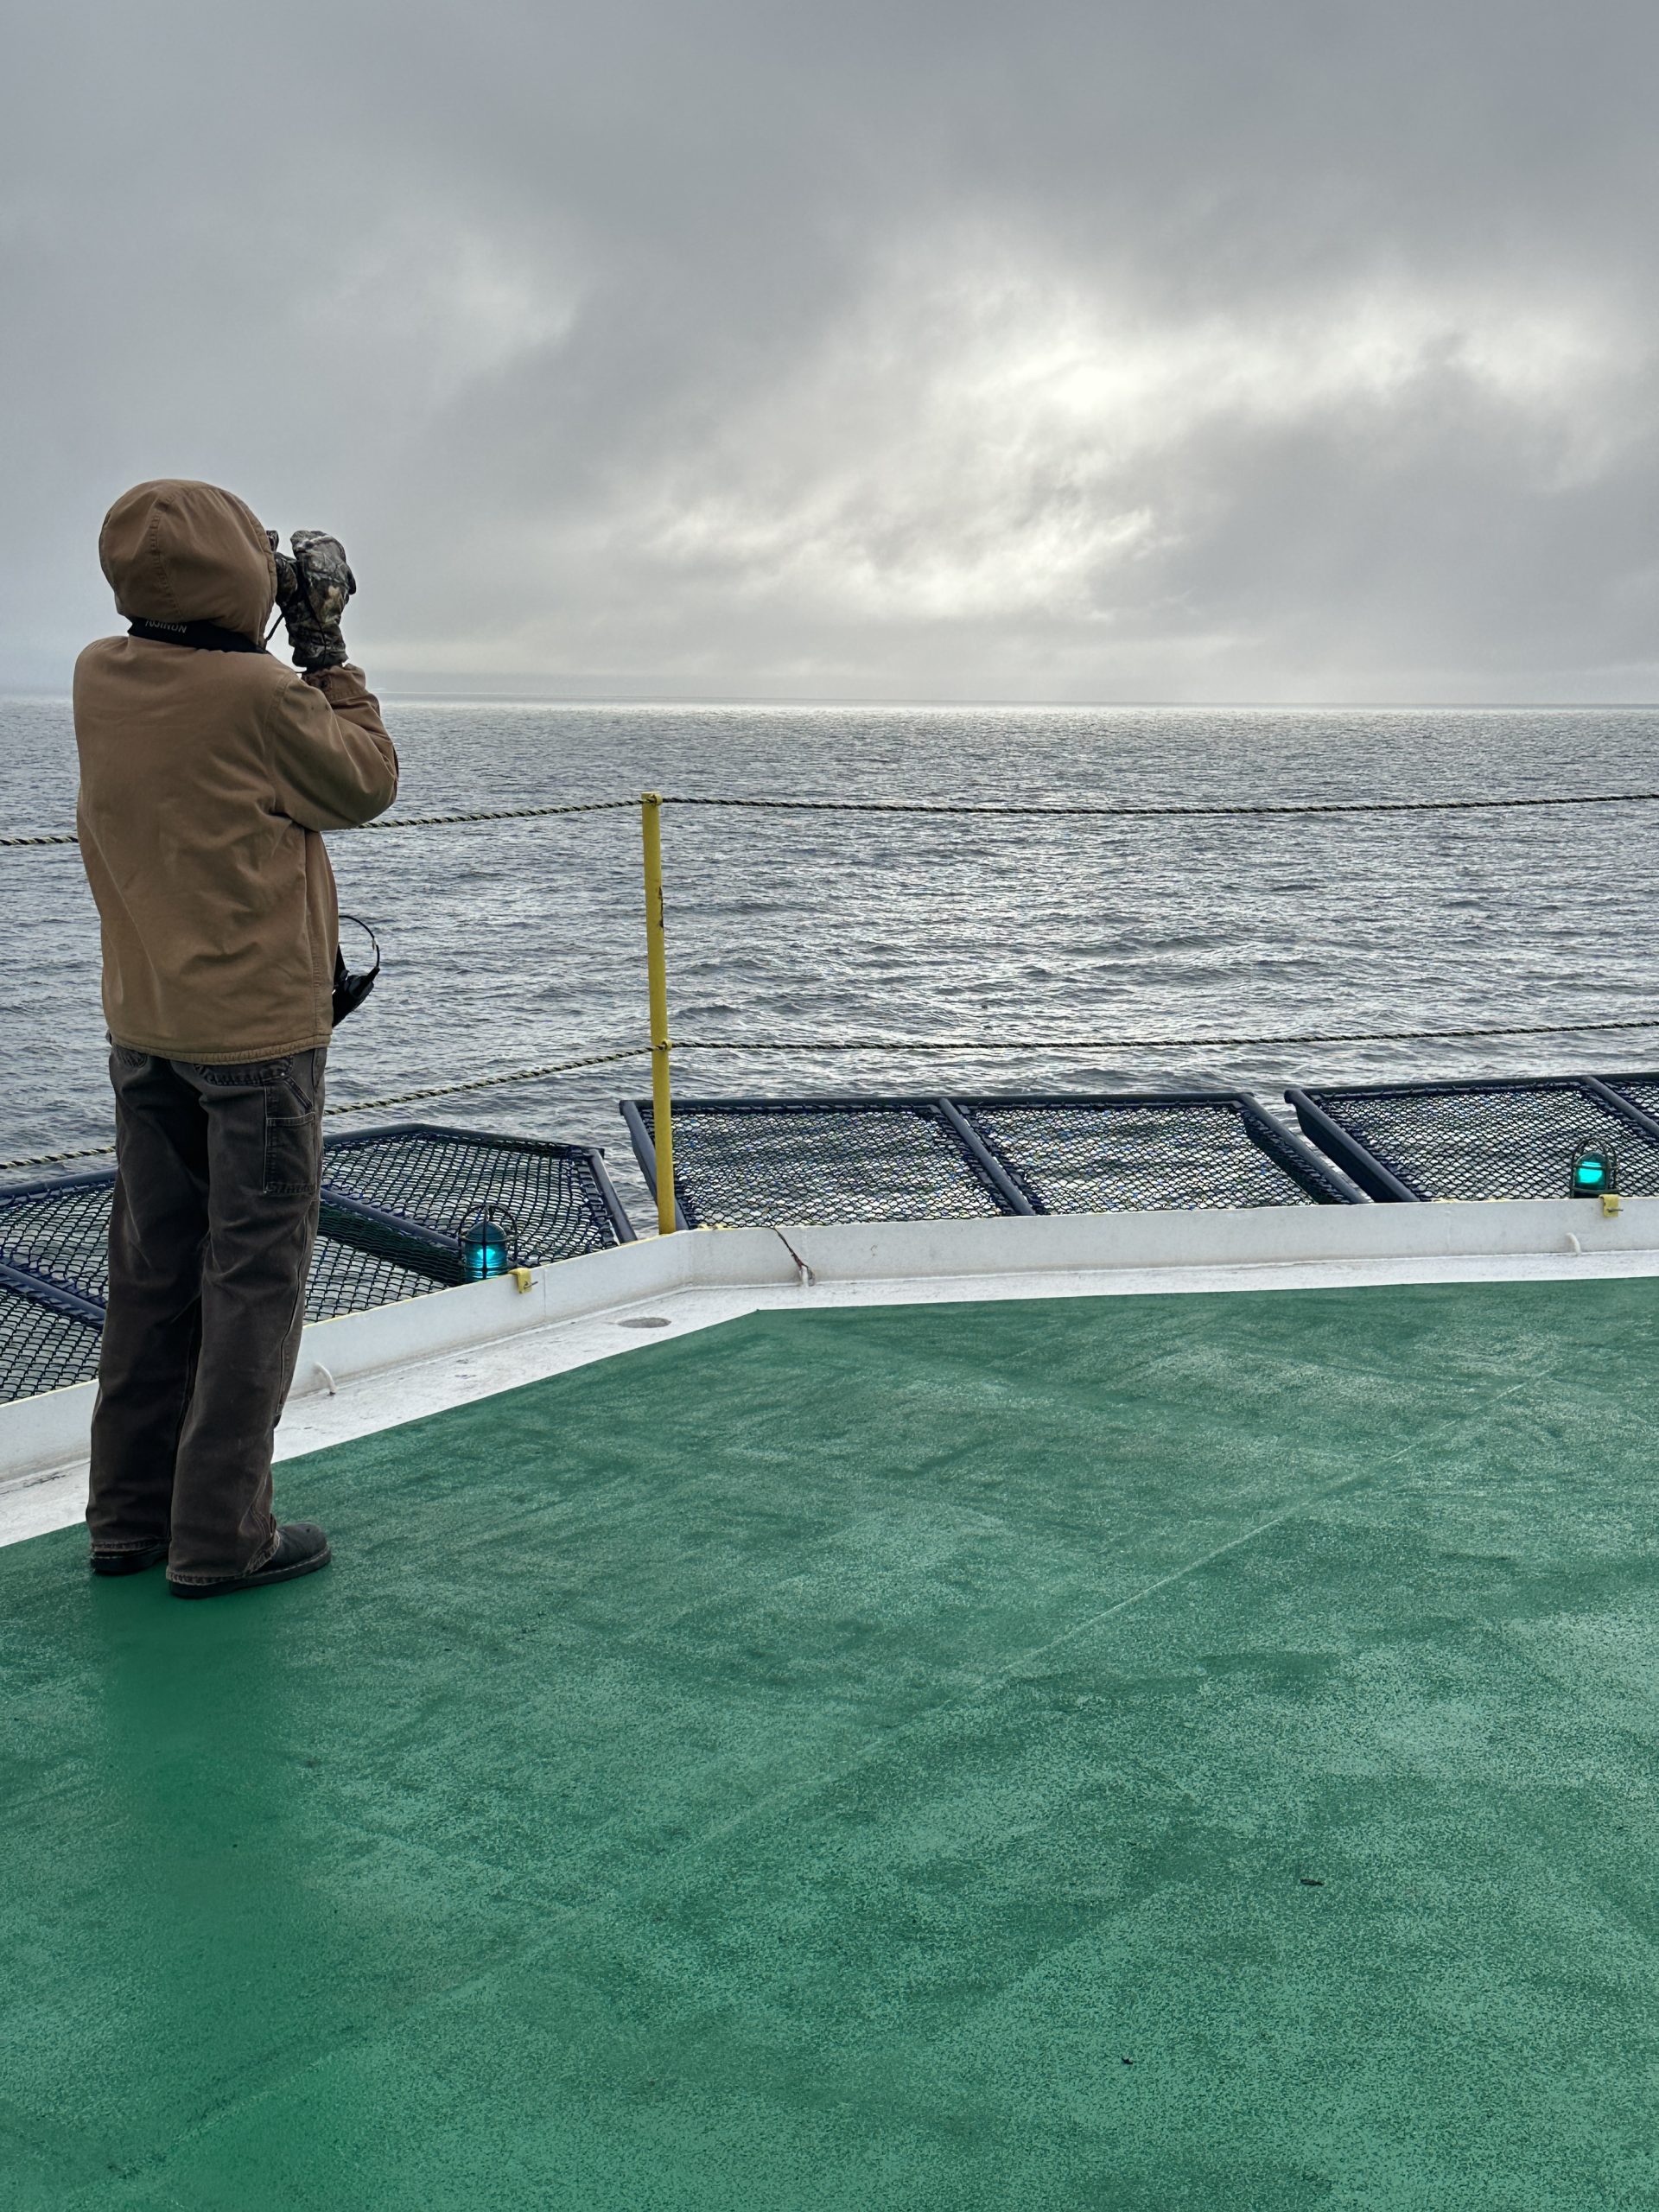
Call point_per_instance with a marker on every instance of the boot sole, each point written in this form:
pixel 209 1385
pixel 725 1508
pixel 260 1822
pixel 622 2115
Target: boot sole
pixel 265 1577
pixel 126 1562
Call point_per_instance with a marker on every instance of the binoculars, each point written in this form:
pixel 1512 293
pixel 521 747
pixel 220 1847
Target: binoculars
pixel 315 570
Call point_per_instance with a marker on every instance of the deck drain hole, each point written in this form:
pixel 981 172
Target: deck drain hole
pixel 646 1321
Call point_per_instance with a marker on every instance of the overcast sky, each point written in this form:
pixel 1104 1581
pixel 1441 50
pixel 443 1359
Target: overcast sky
pixel 1186 349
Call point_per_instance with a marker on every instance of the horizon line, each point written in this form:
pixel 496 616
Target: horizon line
pixel 411 695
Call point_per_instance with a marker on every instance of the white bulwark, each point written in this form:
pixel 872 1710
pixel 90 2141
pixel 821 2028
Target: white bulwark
pixel 364 1372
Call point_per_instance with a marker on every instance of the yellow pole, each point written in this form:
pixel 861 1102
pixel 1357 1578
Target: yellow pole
pixel 662 1105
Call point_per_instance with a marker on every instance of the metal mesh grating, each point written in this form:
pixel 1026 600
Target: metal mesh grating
pixel 1476 1140
pixel 1642 1091
pixel 65 1237
pixel 58 1232
pixel 347 1281
pixel 40 1349
pixel 740 1165
pixel 438 1177
pixel 1105 1155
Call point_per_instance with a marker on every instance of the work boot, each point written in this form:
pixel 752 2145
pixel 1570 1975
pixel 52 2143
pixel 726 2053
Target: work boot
pixel 128 1562
pixel 301 1548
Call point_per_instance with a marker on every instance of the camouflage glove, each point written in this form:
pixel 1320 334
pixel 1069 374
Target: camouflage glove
pixel 313 586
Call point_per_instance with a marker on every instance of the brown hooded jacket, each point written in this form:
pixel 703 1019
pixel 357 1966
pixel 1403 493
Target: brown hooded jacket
pixel 205 779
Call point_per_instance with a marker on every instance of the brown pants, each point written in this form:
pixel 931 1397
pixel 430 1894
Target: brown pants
pixel 217 1177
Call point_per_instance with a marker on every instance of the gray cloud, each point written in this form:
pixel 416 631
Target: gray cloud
pixel 1195 351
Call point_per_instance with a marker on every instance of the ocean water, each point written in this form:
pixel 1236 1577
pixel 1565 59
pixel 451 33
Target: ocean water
pixel 514 944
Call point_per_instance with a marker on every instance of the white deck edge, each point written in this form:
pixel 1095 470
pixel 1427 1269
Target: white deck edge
pixel 364 1372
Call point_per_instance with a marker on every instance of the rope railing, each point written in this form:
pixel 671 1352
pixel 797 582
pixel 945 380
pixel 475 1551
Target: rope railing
pixel 1141 1044
pixel 1148 813
pixel 23 840
pixel 487 1081
pixel 660 1044
pixel 26 840
pixel 57 1159
pixel 500 1082
pixel 500 814
pixel 507 1078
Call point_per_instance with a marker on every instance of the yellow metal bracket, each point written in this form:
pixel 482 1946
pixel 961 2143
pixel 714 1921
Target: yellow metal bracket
pixel 662 1103
pixel 1609 1202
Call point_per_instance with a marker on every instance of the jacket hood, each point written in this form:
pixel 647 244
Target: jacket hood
pixel 177 551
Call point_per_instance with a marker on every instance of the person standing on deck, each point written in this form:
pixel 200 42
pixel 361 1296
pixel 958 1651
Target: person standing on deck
pixel 207 771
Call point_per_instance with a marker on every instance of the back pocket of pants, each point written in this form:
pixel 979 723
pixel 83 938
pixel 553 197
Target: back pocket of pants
pixel 293 1155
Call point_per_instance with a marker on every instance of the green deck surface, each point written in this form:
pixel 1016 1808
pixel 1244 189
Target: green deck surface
pixel 1156 1753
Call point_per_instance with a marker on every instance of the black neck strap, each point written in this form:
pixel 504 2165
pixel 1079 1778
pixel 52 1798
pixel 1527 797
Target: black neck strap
pixel 205 637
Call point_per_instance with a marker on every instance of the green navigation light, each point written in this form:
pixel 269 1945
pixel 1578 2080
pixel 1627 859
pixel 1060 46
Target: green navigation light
pixel 489 1242
pixel 1595 1172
